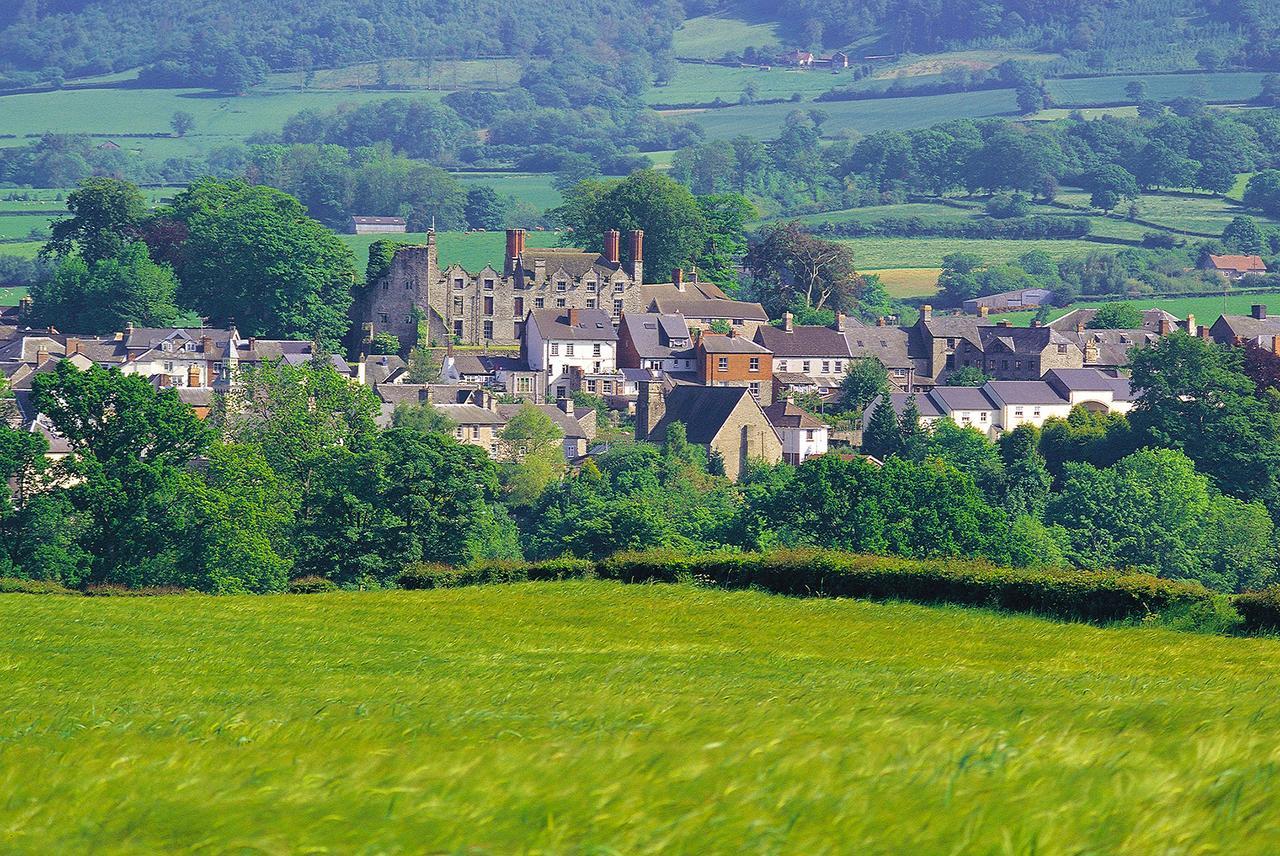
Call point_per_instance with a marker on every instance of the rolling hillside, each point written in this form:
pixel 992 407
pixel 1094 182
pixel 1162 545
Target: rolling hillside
pixel 593 717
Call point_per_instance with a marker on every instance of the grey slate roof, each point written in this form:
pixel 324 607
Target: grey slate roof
pixel 693 307
pixel 1024 392
pixel 784 414
pixel 1089 380
pixel 804 341
pixel 960 398
pixel 702 409
pixel 652 333
pixel 1151 319
pixel 890 345
pixel 592 325
pixel 730 345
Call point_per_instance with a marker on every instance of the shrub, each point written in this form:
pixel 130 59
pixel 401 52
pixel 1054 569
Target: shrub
pixel 14 585
pixel 1260 610
pixel 425 575
pixel 311 585
pixel 115 590
pixel 1081 595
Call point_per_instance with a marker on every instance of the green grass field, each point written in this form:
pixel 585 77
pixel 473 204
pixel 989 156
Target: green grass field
pixel 22 225
pixel 766 120
pixel 472 250
pixel 23 249
pixel 710 36
pixel 598 718
pixel 703 83
pixel 1222 86
pixel 880 253
pixel 444 75
pixel 533 188
pixel 9 296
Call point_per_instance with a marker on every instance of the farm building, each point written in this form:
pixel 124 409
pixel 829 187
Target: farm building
pixel 1235 267
pixel 377 225
pixel 1026 298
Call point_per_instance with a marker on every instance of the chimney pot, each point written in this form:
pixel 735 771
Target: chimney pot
pixel 1036 322
pixel 42 356
pixel 1260 311
pixel 1004 322
pixel 193 376
pixel 788 321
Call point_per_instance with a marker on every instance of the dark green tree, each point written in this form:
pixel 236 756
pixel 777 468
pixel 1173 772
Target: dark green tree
pixel 883 435
pixel 485 209
pixel 1243 235
pixel 866 378
pixel 108 295
pixel 106 215
pixel 1027 479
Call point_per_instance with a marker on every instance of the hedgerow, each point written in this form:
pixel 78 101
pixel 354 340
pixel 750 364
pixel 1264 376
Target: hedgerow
pixel 1076 595
pixel 1260 610
pixel 426 575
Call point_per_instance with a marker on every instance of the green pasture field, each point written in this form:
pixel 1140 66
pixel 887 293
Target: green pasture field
pixel 881 114
pixel 1219 86
pixel 445 75
pixel 533 188
pixel 21 225
pixel 592 717
pixel 472 250
pixel 701 83
pixel 10 295
pixel 1206 309
pixel 1197 213
pixel 710 36
pixel 24 249
pixel 879 253
pixel 928 65
pixel 219 118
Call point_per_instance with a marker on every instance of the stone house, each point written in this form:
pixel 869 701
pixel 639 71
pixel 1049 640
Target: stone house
pixel 724 420
pixel 1235 267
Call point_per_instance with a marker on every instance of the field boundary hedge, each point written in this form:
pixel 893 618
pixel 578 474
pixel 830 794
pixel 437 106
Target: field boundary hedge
pixel 1074 595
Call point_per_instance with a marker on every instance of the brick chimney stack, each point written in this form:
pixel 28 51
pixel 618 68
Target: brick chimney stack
pixel 612 240
pixel 1166 326
pixel 73 346
pixel 1191 324
pixel 193 376
pixel 42 355
pixel 566 405
pixel 515 248
pixel 788 321
pixel 1204 332
pixel 880 322
pixel 1275 345
pixel 677 278
pixel 206 345
pixel 637 254
pixel 575 317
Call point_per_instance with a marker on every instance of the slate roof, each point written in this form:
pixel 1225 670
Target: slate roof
pixel 1021 340
pixel 378 221
pixel 273 349
pixel 471 414
pixel 803 341
pixel 1248 327
pixel 1089 380
pixel 592 325
pixel 784 414
pixel 652 333
pixel 574 263
pixel 381 368
pixel 730 345
pixel 693 307
pixel 898 401
pixel 702 409
pixel 890 345
pixel 955 327
pixel 948 398
pixel 1016 392
pixel 692 289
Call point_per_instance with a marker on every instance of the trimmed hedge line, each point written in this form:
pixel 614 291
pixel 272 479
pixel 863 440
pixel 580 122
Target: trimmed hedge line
pixel 1033 227
pixel 1259 609
pixel 433 576
pixel 1082 595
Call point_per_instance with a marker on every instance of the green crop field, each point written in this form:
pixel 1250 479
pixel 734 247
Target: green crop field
pixel 22 249
pixel 21 225
pixel 10 296
pixel 1222 86
pixel 219 118
pixel 443 75
pixel 710 36
pixel 1206 309
pixel 1197 213
pixel 598 718
pixel 472 250
pixel 878 253
pixel 703 83
pixel 533 188
pixel 766 120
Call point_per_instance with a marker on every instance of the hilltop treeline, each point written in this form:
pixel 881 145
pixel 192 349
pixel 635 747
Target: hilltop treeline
pixel 205 41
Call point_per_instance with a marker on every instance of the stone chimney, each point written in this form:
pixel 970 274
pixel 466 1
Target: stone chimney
pixel 566 405
pixel 788 322
pixel 1260 311
pixel 637 254
pixel 253 343
pixel 42 355
pixel 1275 345
pixel 840 322
pixel 1166 326
pixel 73 346
pixel 880 322
pixel 612 241
pixel 984 311
pixel 677 279
pixel 926 312
pixel 651 406
pixel 193 376
pixel 575 317
pixel 206 345
pixel 1191 324
pixel 1036 322
pixel 128 329
pixel 1079 326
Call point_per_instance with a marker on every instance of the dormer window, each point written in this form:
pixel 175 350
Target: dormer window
pixel 591 288
pixel 561 285
pixel 619 285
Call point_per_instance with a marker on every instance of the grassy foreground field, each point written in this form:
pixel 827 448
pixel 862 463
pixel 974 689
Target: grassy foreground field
pixel 599 718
